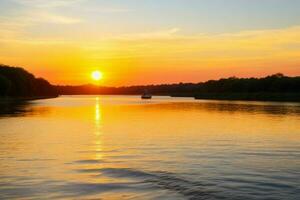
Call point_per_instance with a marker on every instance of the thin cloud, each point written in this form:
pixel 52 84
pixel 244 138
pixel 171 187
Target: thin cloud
pixel 161 34
pixel 48 3
pixel 34 12
pixel 244 45
pixel 54 18
pixel 107 9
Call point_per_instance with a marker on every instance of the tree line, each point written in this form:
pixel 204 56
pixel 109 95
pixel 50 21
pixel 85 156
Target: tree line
pixel 17 82
pixel 277 83
pixel 273 87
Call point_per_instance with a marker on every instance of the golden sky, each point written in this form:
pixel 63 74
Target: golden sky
pixel 144 42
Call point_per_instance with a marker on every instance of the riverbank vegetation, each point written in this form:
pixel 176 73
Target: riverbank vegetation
pixel 277 87
pixel 17 83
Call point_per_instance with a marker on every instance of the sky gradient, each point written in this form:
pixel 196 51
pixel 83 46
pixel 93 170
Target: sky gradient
pixel 150 41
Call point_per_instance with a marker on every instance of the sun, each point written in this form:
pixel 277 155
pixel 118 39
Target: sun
pixel 97 75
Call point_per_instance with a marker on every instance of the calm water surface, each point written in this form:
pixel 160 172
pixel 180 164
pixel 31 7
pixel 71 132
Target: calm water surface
pixel 120 147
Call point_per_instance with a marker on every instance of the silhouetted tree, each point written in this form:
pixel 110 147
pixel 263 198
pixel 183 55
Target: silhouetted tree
pixel 17 82
pixel 4 85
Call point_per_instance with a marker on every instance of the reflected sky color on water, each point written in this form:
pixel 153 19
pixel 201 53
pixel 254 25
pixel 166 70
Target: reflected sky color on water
pixel 121 147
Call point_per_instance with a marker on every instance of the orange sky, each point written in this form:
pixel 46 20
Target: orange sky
pixel 65 49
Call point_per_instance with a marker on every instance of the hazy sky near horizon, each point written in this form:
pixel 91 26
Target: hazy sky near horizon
pixel 150 41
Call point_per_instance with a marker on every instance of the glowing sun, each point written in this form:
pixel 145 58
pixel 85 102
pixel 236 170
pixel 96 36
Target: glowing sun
pixel 97 75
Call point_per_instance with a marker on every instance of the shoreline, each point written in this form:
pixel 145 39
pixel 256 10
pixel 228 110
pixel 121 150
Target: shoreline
pixel 4 99
pixel 271 97
pixel 274 97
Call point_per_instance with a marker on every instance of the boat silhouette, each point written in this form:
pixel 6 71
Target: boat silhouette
pixel 146 95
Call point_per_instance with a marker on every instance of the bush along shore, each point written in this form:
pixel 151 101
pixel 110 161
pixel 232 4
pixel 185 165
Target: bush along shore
pixel 18 84
pixel 288 97
pixel 276 87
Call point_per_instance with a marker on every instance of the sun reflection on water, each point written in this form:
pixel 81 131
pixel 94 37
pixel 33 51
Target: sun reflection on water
pixel 98 118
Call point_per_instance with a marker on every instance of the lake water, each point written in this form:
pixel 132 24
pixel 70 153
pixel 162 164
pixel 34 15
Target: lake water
pixel 121 147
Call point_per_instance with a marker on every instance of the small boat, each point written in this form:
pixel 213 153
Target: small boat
pixel 146 95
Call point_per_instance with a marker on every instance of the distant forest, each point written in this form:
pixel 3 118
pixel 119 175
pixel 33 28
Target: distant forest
pixel 276 87
pixel 16 82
